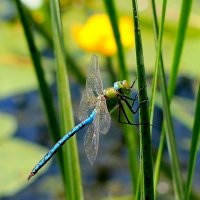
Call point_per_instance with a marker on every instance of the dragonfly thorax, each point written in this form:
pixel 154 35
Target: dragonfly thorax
pixel 110 93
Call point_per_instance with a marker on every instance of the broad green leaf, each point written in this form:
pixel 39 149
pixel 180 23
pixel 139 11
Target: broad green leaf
pixel 8 126
pixel 17 158
pixel 40 74
pixel 15 79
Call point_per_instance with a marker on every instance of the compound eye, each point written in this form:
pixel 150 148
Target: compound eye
pixel 126 84
pixel 122 84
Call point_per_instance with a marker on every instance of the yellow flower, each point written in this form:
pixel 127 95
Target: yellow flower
pixel 96 34
pixel 126 31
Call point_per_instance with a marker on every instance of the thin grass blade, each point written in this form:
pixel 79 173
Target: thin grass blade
pixel 171 141
pixel 185 11
pixel 131 142
pixel 74 68
pixel 194 147
pixel 129 132
pixel 159 61
pixel 145 138
pixel 72 175
pixel 180 38
pixel 138 190
pixel 110 7
pixel 43 86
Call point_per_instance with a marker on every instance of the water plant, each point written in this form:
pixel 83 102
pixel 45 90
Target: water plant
pixel 145 172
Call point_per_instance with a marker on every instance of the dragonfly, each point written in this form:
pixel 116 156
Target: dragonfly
pixel 93 112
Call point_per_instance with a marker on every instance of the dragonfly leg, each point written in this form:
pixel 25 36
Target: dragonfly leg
pixel 132 99
pixel 136 96
pixel 119 116
pixel 129 106
pixel 144 101
pixel 142 88
pixel 134 112
pixel 121 108
pixel 128 121
pixel 133 83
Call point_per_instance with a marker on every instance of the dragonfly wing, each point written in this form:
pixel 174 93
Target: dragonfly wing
pixel 104 117
pixel 94 82
pixel 87 104
pixel 91 140
pixel 94 87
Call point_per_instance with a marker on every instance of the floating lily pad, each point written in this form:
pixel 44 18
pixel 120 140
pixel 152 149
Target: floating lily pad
pixel 17 158
pixel 16 79
pixel 8 126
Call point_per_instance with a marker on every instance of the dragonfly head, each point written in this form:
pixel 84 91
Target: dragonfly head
pixel 122 87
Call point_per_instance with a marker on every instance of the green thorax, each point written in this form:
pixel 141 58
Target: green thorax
pixel 113 94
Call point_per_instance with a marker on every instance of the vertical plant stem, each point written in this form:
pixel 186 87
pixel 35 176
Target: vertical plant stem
pixel 158 160
pixel 159 61
pixel 162 137
pixel 171 141
pixel 137 191
pixel 110 7
pixel 71 162
pixel 44 89
pixel 180 38
pixel 146 150
pixel 194 147
pixel 131 142
pixel 184 16
pixel 74 68
pixel 129 133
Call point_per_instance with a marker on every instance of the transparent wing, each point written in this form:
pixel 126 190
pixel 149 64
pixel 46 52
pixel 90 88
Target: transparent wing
pixel 91 140
pixel 87 104
pixel 94 87
pixel 94 82
pixel 104 117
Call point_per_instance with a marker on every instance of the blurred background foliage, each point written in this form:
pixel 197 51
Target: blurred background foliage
pixel 24 136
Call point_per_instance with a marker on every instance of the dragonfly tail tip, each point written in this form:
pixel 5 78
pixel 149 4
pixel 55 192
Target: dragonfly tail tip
pixel 30 175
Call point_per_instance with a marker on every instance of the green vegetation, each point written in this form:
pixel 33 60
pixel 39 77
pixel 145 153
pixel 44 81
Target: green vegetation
pixel 167 46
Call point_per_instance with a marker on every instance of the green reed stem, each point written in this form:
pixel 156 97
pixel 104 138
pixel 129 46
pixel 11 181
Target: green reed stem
pixel 162 137
pixel 110 8
pixel 145 148
pixel 185 11
pixel 129 133
pixel 138 187
pixel 171 141
pixel 43 86
pixel 74 68
pixel 131 142
pixel 159 61
pixel 180 38
pixel 71 174
pixel 194 147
